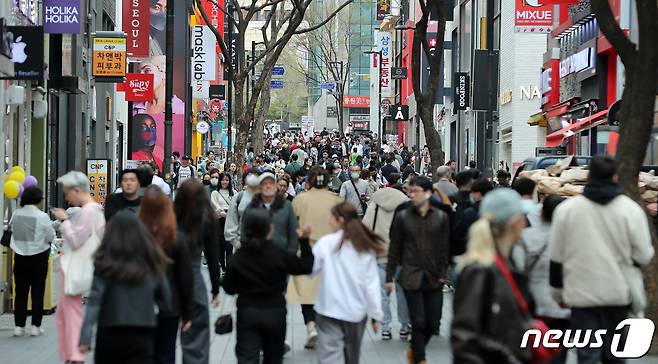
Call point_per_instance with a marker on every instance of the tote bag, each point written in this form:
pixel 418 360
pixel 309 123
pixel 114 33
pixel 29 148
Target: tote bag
pixel 78 266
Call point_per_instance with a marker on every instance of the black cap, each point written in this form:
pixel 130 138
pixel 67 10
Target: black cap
pixel 187 157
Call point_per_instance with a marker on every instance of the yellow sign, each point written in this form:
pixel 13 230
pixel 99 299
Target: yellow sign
pixel 97 172
pixel 109 57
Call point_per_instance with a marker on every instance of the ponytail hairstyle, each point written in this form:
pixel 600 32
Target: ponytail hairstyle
pixel 318 177
pixel 481 246
pixel 362 238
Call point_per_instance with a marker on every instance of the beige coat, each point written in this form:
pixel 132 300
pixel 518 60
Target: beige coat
pixel 313 209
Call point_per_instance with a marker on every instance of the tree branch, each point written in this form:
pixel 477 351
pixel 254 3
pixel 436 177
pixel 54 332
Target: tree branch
pixel 306 30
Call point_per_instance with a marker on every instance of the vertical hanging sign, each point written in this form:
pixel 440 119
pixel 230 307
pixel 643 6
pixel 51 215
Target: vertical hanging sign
pixel 136 18
pixel 383 9
pixel 204 56
pixel 384 46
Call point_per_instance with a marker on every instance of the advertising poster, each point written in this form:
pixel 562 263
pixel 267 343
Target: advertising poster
pixel 136 17
pixel 146 139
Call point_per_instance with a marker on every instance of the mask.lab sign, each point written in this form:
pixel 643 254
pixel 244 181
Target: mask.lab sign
pixel 204 56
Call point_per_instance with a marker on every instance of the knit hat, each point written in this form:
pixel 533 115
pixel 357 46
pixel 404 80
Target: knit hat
pixel 502 204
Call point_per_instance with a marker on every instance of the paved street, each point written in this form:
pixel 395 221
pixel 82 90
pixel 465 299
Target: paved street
pixel 43 350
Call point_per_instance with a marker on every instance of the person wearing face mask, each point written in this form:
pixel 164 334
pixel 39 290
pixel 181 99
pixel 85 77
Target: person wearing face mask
pixel 145 140
pixel 336 180
pixel 356 190
pixel 205 179
pixel 420 243
pixel 220 198
pixel 238 206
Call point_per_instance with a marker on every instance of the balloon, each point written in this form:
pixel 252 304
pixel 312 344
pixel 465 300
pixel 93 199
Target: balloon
pixel 12 189
pixel 17 176
pixel 30 181
pixel 21 189
pixel 17 168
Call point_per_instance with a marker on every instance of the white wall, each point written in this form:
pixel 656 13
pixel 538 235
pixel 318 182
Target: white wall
pixel 521 59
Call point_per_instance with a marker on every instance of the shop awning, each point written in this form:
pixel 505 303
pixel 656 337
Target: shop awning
pixel 556 138
pixel 538 119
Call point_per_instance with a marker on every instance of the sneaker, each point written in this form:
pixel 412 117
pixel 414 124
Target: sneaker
pixel 312 340
pixel 36 331
pixel 19 331
pixel 404 333
pixel 386 335
pixel 448 288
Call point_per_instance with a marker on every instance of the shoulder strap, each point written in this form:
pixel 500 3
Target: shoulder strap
pixel 239 199
pixel 523 305
pixel 374 223
pixel 531 265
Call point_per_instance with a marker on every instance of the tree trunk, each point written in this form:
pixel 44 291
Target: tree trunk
pixel 433 140
pixel 259 124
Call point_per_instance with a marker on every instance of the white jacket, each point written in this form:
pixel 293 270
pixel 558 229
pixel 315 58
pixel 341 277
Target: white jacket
pixel 590 240
pixel 349 290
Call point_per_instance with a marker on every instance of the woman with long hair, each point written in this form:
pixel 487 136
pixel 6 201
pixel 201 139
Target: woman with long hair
pixel 157 214
pixel 128 284
pixel 258 274
pixel 313 210
pixel 196 220
pixel 349 290
pixel 490 310
pixel 285 187
pixel 220 198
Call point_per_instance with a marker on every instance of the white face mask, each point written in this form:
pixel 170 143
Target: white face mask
pixel 354 175
pixel 214 182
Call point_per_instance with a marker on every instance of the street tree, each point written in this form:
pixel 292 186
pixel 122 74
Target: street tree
pixel 288 18
pixel 327 53
pixel 425 98
pixel 637 109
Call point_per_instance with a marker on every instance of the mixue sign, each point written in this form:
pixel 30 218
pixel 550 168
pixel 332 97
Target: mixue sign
pixel 638 334
pixel 533 16
pixel 61 16
pixel 139 87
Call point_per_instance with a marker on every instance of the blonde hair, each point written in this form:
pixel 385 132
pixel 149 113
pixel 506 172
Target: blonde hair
pixel 481 246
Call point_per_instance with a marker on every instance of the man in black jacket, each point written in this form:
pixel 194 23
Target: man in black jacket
pixel 420 236
pixel 128 198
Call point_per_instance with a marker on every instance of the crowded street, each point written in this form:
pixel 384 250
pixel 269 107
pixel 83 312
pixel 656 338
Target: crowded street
pixel 328 181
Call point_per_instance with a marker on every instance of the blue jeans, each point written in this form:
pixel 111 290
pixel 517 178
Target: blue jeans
pixel 403 312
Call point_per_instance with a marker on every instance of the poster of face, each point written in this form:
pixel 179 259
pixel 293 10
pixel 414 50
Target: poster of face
pixel 147 118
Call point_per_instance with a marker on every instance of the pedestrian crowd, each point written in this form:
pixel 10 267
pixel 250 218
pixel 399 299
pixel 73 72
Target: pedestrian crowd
pixel 340 225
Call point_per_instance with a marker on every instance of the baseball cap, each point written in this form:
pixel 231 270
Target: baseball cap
pixel 265 176
pixel 502 204
pixel 187 157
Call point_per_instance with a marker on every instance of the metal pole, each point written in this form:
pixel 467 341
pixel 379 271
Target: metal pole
pixel 169 83
pixel 229 89
pixel 488 153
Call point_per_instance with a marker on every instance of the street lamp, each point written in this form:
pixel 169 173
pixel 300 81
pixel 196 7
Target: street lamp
pixel 253 69
pixel 379 93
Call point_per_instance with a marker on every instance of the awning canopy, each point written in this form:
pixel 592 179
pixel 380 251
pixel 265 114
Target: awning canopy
pixel 556 138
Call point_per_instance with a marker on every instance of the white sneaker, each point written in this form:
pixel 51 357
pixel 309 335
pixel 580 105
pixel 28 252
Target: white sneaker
pixel 36 331
pixel 19 331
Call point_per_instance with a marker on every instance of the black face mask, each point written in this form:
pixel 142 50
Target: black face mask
pixel 206 182
pixel 158 21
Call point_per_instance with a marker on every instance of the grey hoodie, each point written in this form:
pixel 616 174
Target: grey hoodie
pixel 383 204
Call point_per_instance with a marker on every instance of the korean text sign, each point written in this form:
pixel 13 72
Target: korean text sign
pixel 109 57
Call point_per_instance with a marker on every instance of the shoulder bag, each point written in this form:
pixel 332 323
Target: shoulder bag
pixel 6 235
pixel 78 265
pixel 364 206
pixel 541 354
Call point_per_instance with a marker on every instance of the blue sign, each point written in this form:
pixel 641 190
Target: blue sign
pixel 278 71
pixel 327 86
pixel 276 84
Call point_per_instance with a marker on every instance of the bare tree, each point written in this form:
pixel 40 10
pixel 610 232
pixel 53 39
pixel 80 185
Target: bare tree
pixel 327 55
pixel 288 18
pixel 637 109
pixel 425 98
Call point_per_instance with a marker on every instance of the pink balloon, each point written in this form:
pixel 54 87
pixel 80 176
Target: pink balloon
pixel 20 190
pixel 30 181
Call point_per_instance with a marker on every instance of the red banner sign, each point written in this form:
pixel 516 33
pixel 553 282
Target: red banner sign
pixel 356 101
pixel 136 18
pixel 139 87
pixel 533 16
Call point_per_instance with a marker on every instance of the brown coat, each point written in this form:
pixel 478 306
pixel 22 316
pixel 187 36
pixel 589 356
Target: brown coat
pixel 313 209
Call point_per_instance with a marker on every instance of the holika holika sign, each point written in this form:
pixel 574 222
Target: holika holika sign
pixel 61 16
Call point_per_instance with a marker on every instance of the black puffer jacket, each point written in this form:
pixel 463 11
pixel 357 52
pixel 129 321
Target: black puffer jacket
pixel 488 325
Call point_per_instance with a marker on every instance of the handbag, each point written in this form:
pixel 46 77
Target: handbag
pixel 224 325
pixel 540 354
pixel 6 235
pixel 78 266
